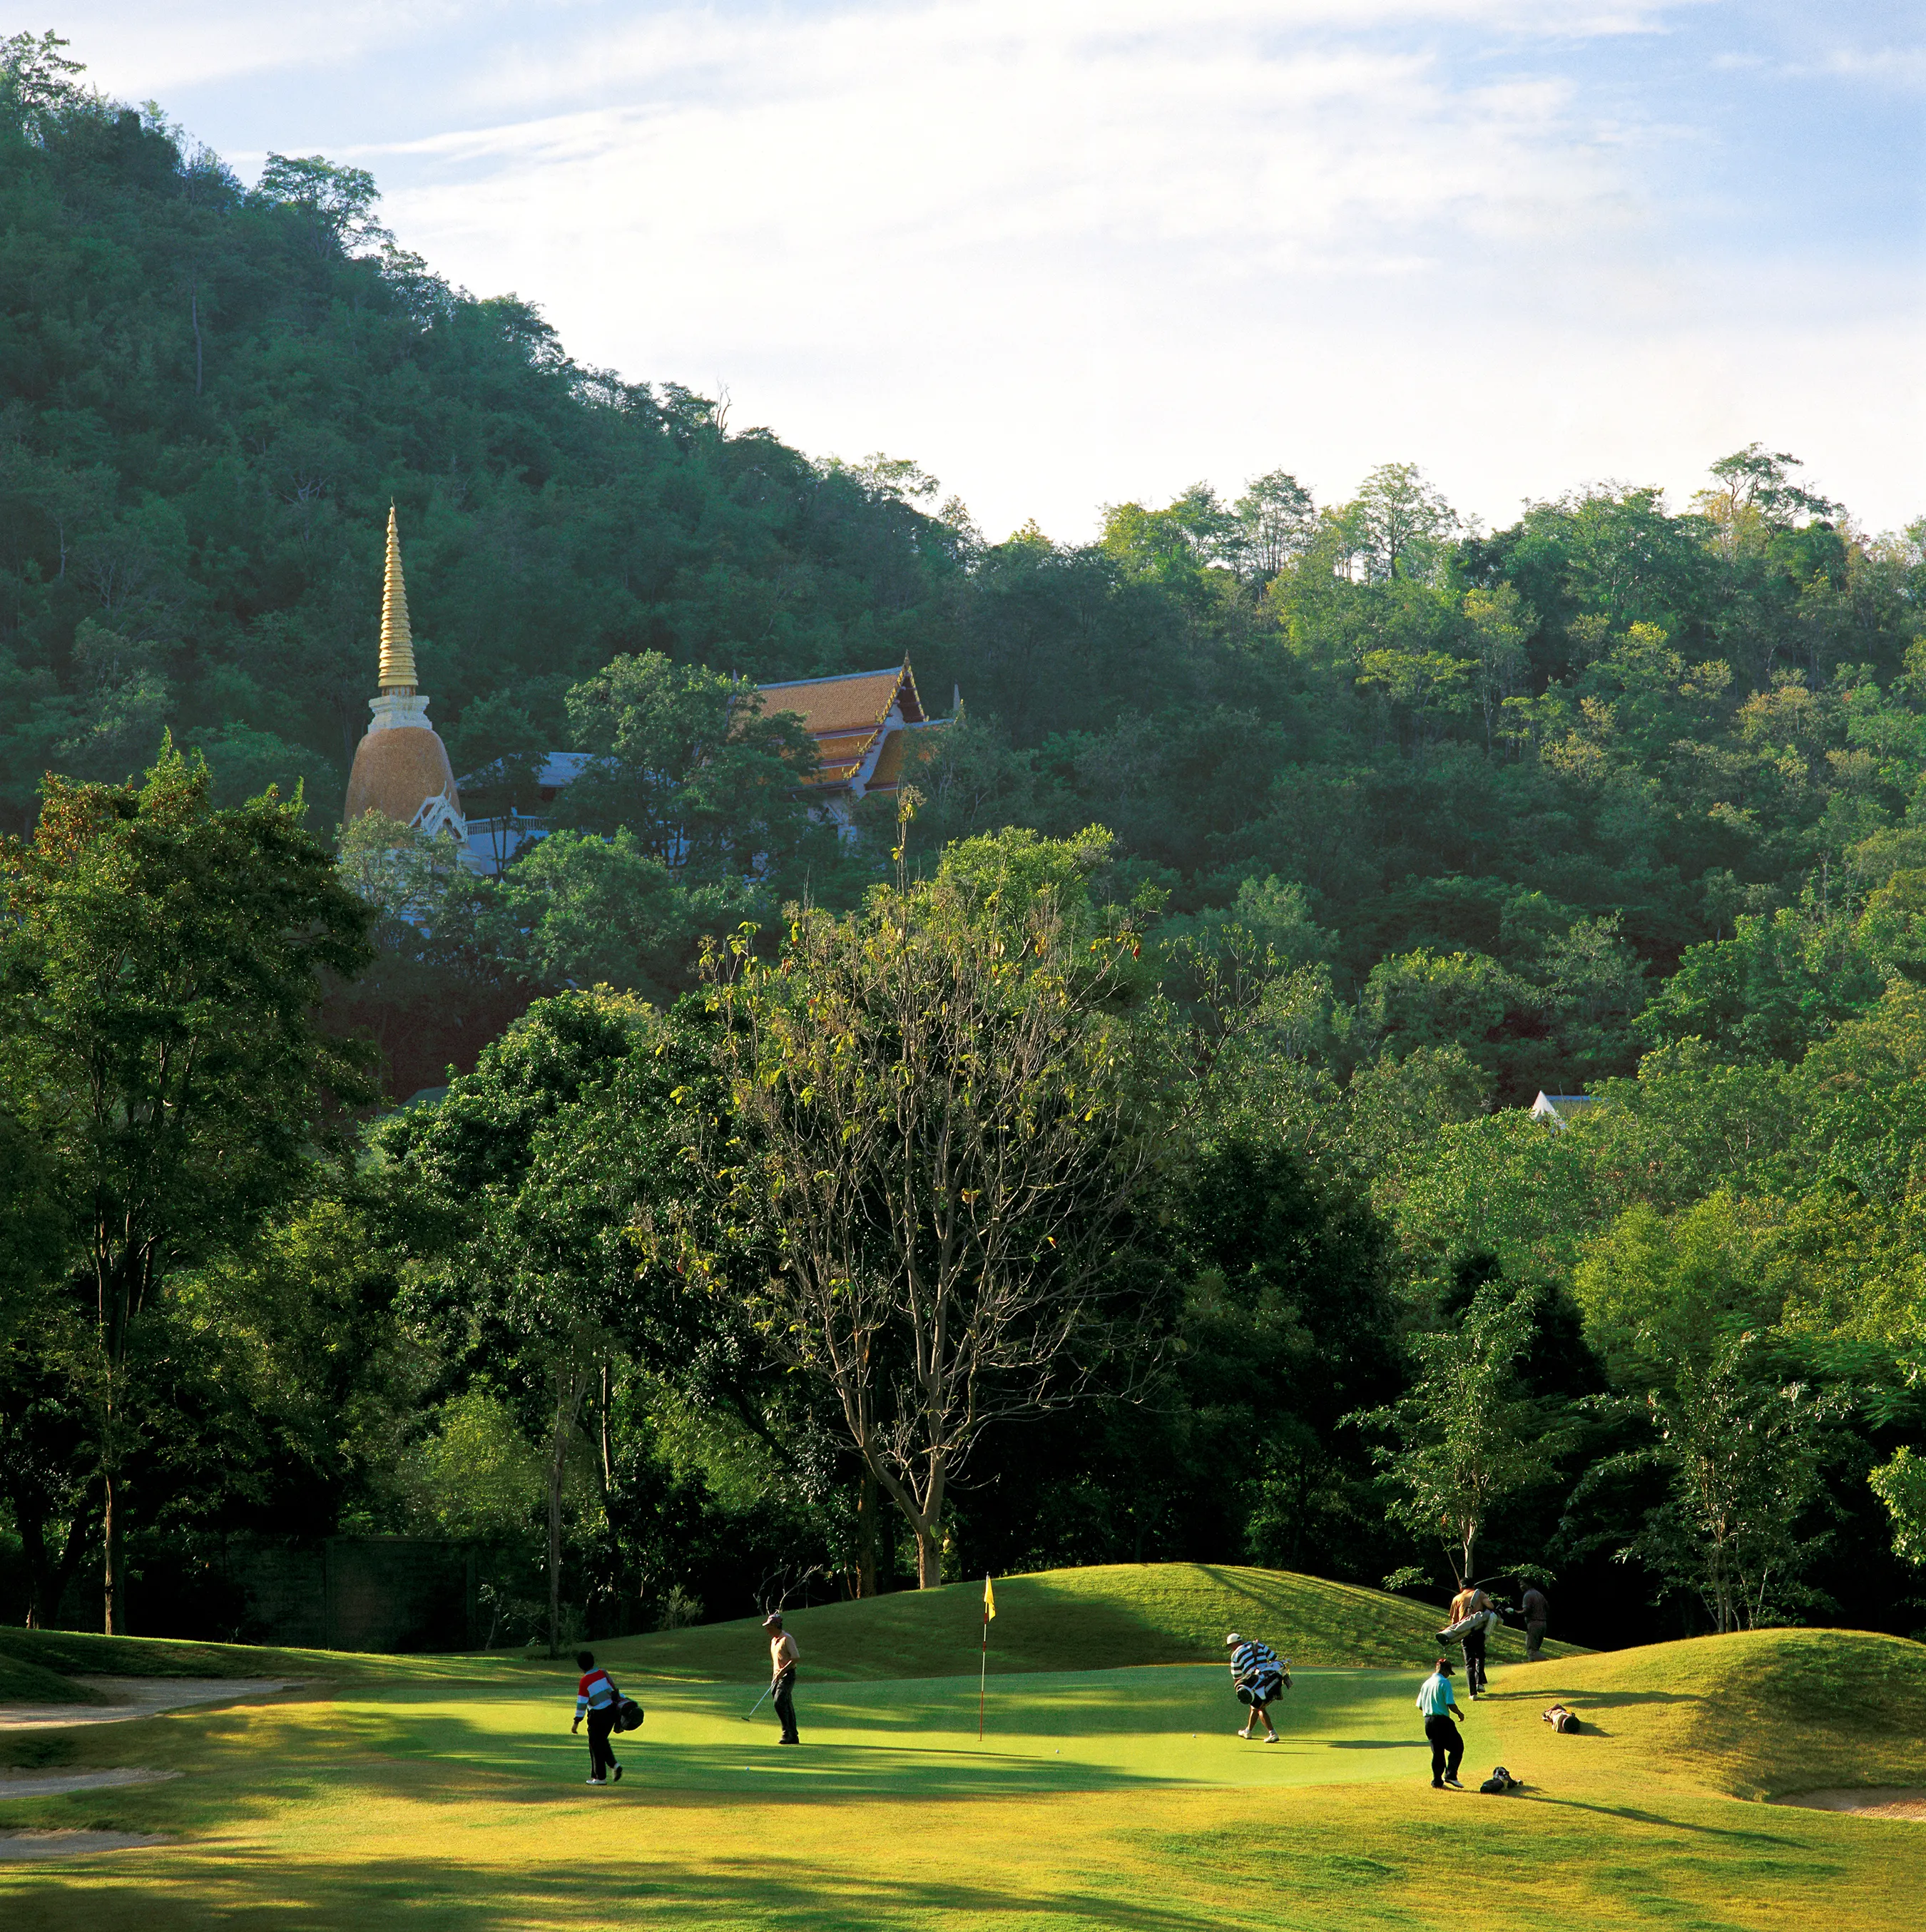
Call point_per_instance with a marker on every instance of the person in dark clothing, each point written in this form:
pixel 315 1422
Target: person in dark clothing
pixel 1447 1746
pixel 1473 1642
pixel 1537 1614
pixel 597 1699
pixel 783 1655
pixel 1473 1615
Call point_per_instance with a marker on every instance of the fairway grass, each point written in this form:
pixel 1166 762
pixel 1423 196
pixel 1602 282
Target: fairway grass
pixel 446 1793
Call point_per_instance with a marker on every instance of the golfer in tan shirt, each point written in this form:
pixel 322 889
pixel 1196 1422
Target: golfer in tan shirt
pixel 783 1655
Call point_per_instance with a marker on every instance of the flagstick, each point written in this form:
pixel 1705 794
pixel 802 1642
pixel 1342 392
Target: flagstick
pixel 983 1668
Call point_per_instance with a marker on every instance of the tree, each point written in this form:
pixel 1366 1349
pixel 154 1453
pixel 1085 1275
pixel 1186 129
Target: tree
pixel 1657 1292
pixel 1755 485
pixel 1286 1325
pixel 1900 1485
pixel 1773 988
pixel 691 763
pixel 1500 622
pixel 1740 1448
pixel 577 911
pixel 36 79
pixel 43 1460
pixel 522 1195
pixel 1173 546
pixel 1398 523
pixel 1427 999
pixel 162 963
pixel 933 1124
pixel 1469 1438
pixel 539 1282
pixel 1679 1309
pixel 1275 521
pixel 45 1472
pixel 498 754
pixel 445 978
pixel 336 203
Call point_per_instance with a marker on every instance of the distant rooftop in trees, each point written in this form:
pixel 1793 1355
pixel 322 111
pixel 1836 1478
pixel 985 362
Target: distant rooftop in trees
pixel 1561 1109
pixel 862 724
pixel 869 728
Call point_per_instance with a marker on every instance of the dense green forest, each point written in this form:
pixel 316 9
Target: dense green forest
pixel 1320 836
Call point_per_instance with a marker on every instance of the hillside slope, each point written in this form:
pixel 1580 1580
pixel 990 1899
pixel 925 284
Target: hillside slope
pixel 1758 1714
pixel 1094 1618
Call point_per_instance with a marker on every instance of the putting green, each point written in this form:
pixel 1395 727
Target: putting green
pixel 1095 1730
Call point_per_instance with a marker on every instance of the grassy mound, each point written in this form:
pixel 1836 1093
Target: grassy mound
pixel 57 1655
pixel 39 1667
pixel 1757 1714
pixel 1101 1618
pixel 24 1681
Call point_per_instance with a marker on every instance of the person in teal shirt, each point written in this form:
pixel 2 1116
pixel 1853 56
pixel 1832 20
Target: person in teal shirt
pixel 1440 1706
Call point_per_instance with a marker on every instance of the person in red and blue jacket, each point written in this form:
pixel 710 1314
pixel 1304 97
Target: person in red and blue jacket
pixel 597 1699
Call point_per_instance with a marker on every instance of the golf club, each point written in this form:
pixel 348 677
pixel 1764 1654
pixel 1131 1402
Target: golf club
pixel 756 1706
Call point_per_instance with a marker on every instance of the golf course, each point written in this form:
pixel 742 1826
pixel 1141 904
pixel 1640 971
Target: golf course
pixel 1108 1789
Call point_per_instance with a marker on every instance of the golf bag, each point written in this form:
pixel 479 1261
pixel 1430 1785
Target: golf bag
pixel 1560 1719
pixel 628 1714
pixel 1479 1620
pixel 1501 1784
pixel 1261 1689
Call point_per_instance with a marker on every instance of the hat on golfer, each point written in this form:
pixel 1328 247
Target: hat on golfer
pixel 1233 1638
pixel 773 1620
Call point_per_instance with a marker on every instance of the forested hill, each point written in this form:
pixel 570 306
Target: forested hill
pixel 1331 833
pixel 1497 784
pixel 211 395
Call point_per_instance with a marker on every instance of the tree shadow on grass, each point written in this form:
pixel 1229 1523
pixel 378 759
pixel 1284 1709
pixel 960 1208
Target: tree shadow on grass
pixel 450 1766
pixel 755 1771
pixel 1613 1700
pixel 1634 1816
pixel 784 1893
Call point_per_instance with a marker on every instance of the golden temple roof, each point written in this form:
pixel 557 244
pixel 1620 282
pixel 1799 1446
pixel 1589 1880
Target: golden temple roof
pixel 397 643
pixel 843 714
pixel 904 750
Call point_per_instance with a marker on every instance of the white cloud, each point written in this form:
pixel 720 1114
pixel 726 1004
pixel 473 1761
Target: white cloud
pixel 142 50
pixel 1066 251
pixel 551 50
pixel 1899 68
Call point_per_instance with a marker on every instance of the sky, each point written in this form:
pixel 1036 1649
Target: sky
pixel 1067 254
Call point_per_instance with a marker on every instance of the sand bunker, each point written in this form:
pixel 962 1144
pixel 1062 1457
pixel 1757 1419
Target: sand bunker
pixel 1874 1801
pixel 137 1697
pixel 69 1844
pixel 52 1783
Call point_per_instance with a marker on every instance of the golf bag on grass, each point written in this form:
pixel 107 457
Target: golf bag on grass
pixel 1501 1784
pixel 1560 1719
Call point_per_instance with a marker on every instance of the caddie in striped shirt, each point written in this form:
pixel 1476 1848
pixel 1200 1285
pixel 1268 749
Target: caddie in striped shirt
pixel 1257 1673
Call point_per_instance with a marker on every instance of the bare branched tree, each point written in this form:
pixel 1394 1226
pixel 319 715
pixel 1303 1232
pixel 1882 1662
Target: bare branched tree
pixel 933 1137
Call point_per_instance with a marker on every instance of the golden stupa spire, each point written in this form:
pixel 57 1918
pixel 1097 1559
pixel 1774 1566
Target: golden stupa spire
pixel 397 644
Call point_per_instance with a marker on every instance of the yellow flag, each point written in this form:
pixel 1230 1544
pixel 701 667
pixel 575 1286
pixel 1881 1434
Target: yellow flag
pixel 988 1601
